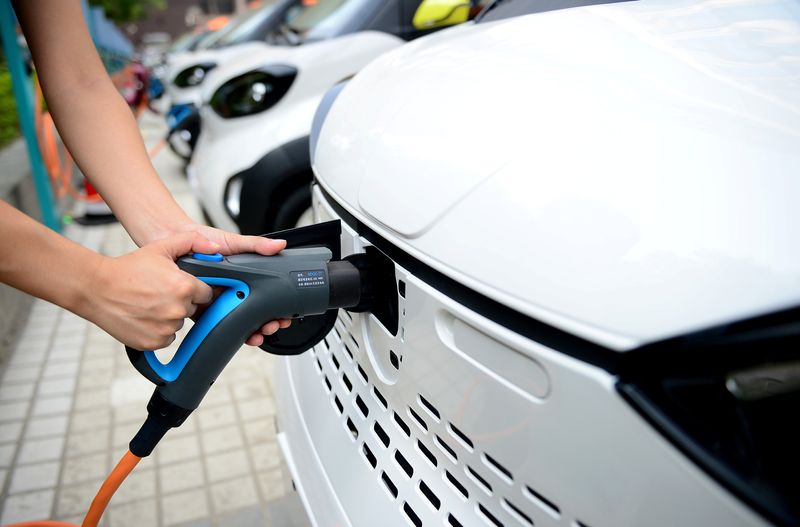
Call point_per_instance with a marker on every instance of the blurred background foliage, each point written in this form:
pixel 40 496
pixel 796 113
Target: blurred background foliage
pixel 122 11
pixel 9 127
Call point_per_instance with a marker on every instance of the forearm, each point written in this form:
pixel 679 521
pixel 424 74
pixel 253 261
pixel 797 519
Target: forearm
pixel 94 121
pixel 115 161
pixel 42 263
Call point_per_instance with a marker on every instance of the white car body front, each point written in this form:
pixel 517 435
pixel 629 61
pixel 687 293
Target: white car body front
pixel 228 146
pixel 623 173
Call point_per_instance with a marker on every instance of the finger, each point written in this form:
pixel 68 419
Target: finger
pixel 202 293
pixel 237 243
pixel 183 243
pixel 285 322
pixel 270 327
pixel 256 339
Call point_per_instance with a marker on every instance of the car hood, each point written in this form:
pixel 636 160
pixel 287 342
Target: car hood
pixel 180 61
pixel 626 172
pixel 305 57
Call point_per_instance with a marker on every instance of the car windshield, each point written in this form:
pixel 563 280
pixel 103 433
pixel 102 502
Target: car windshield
pixel 500 9
pixel 307 20
pixel 242 27
pixel 185 42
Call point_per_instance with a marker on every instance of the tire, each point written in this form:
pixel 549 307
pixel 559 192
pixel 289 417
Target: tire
pixel 291 209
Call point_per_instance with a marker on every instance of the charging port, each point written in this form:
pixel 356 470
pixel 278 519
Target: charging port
pixel 378 287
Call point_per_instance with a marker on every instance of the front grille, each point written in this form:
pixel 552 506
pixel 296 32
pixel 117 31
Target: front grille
pixel 413 449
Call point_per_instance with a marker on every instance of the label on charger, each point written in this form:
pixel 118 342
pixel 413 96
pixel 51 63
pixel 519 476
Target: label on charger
pixel 314 278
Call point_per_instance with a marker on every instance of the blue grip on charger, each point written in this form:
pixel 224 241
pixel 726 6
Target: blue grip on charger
pixel 236 293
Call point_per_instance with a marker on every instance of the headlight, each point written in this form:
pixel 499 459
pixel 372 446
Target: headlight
pixel 253 92
pixel 233 196
pixel 193 75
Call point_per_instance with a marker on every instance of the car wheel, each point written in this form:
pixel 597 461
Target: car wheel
pixel 292 210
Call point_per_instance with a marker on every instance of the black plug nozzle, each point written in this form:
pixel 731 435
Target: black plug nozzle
pixel 161 416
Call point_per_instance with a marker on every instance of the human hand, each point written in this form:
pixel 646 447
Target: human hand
pixel 231 243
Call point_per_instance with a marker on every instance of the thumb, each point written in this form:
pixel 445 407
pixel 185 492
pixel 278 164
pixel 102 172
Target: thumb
pixel 183 243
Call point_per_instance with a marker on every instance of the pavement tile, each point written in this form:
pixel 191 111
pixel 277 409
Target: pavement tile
pixel 75 499
pixel 216 417
pixel 46 426
pixel 217 395
pixel 86 468
pixel 57 370
pixel 3 474
pixel 56 405
pixel 34 477
pixel 181 476
pixel 266 456
pixel 260 431
pixel 286 511
pixel 139 485
pixel 123 434
pixel 89 442
pixel 234 494
pixel 28 507
pixel 249 390
pixel 57 387
pixel 65 353
pixel 99 364
pixel 16 392
pixel 17 374
pixel 7 454
pixel 226 466
pixel 253 409
pixel 28 358
pixel 172 449
pixel 142 513
pixel 184 507
pixel 91 419
pixel 272 484
pixel 35 450
pixel 131 413
pixel 221 439
pixel 91 398
pixel 10 431
pixel 13 411
pixel 251 516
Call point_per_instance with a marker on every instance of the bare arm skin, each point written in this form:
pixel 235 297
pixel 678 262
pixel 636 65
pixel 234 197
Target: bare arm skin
pixel 140 298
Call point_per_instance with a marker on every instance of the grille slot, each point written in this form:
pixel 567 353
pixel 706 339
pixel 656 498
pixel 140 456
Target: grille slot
pixel 541 501
pixel 489 516
pixel 381 434
pixel 380 398
pixel 461 489
pixel 427 453
pixel 362 406
pixel 401 424
pixel 389 484
pixel 429 407
pixel 348 352
pixel 403 463
pixel 417 419
pixel 477 478
pixel 446 449
pixel 335 362
pixel 351 427
pixel 461 436
pixel 328 384
pixel 452 521
pixel 394 360
pixel 432 498
pixel 517 513
pixel 362 374
pixel 338 403
pixel 411 515
pixel 369 456
pixel 498 468
pixel 347 383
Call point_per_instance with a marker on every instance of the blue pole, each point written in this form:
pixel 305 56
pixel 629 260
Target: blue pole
pixel 23 93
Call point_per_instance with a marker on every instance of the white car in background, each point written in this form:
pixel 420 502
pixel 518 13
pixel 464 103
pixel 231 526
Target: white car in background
pixel 250 168
pixel 590 213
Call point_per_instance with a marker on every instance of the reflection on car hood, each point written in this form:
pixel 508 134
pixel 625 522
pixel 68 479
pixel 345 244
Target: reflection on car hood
pixel 626 172
pixel 177 62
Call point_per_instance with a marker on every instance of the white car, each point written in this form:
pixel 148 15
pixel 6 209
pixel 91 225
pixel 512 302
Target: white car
pixel 250 168
pixel 591 213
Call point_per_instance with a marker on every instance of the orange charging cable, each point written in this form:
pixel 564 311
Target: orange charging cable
pixel 100 501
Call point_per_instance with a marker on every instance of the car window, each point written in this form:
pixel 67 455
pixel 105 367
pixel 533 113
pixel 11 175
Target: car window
pixel 500 9
pixel 307 20
pixel 238 30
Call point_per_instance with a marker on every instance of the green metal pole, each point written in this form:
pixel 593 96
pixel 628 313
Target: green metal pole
pixel 23 93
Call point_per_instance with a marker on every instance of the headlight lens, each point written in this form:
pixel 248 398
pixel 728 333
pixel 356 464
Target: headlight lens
pixel 233 196
pixel 253 92
pixel 193 75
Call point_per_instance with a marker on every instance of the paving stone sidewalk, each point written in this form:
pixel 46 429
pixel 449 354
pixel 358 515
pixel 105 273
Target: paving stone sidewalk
pixel 70 402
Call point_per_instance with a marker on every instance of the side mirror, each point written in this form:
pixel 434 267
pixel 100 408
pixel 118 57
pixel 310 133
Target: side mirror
pixel 440 13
